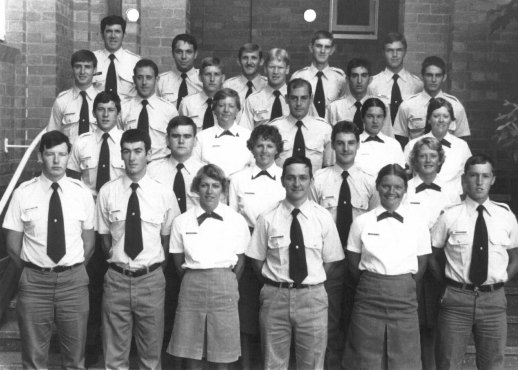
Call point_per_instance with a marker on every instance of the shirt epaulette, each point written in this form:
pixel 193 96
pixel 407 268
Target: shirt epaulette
pixel 163 74
pixel 413 96
pixel 64 92
pixel 165 101
pixel 88 133
pixel 451 206
pixel 302 69
pixel 451 97
pixel 320 119
pixel 277 119
pixel 503 205
pixel 28 182
pixel 78 183
pixel 264 78
pixel 417 78
pixel 232 78
pixel 131 53
pixel 338 70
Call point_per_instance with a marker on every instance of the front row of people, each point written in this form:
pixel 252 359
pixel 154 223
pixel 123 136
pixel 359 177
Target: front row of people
pixel 294 248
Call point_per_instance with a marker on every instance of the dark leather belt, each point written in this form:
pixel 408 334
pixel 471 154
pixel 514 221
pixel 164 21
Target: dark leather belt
pixel 135 273
pixel 50 269
pixel 287 285
pixel 474 288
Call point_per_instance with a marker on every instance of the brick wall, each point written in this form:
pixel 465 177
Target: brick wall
pixel 35 60
pixel 272 23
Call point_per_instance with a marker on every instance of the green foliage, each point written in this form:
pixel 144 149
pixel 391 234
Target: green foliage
pixel 503 15
pixel 506 134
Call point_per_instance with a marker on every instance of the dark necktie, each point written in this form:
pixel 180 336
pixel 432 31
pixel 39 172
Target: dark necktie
pixel 373 138
pixel 387 214
pixel 358 116
pixel 395 98
pixel 276 107
pixel 226 132
pixel 207 215
pixel 419 188
pixel 111 77
pixel 133 228
pixel 103 167
pixel 263 173
pixel 320 98
pixel 478 269
pixel 56 247
pixel 84 115
pixel 299 147
pixel 143 118
pixel 182 90
pixel 297 252
pixel 250 90
pixel 428 127
pixel 208 117
pixel 344 211
pixel 446 143
pixel 179 187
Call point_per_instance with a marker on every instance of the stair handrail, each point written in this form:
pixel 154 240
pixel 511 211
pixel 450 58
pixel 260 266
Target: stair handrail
pixel 21 166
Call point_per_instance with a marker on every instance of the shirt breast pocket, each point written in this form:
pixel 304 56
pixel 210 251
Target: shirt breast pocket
pixel 170 96
pixel 33 221
pixel 500 239
pixel 314 146
pixel 151 219
pixel 416 123
pixel 88 167
pixel 360 205
pixel 459 245
pixel 116 216
pixel 278 244
pixel 261 115
pixel 329 201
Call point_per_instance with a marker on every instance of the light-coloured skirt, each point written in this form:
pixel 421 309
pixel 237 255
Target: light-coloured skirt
pixel 207 321
pixel 384 327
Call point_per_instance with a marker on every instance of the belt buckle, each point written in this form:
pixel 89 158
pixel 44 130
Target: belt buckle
pixel 476 288
pixel 291 285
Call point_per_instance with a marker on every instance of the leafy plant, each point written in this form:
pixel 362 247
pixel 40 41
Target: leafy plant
pixel 503 15
pixel 506 134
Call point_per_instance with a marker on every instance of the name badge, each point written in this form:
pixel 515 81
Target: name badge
pixel 191 233
pixel 114 211
pixel 195 116
pixel 249 193
pixel 277 237
pixel 69 114
pixel 328 196
pixel 373 234
pixel 415 202
pixel 216 145
pixel 459 232
pixel 261 111
pixel 131 121
pixel 97 73
pixel 30 209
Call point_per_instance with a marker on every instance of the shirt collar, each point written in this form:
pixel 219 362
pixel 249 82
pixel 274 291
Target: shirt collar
pixel 304 208
pixel 46 182
pixel 472 205
pixel 271 170
pixel 142 183
pixel 198 211
pixel 118 54
pixel 187 165
pixel 268 89
pixel 313 70
pixel 403 74
pixel 91 92
pixel 151 101
pixel 115 134
pixel 218 130
pixel 402 210
pixel 294 120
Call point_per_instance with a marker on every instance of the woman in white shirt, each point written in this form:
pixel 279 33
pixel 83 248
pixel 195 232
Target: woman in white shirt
pixel 387 251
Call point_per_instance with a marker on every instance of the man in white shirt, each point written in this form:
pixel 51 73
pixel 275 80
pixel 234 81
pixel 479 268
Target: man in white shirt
pixel 114 63
pixel 328 83
pixel 411 122
pixel 183 79
pixel 72 109
pixel 250 59
pixel 147 111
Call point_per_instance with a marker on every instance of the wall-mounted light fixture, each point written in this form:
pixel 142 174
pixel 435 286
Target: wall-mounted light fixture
pixel 132 15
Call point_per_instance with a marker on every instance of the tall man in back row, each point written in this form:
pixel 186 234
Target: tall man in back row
pixel 50 235
pixel 114 63
pixel 182 79
pixel 328 83
pixel 394 84
pixel 479 238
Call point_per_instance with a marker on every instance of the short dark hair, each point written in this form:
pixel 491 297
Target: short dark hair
pixel 346 127
pixel 83 56
pixel 436 103
pixel 211 62
pixel 358 62
pixel 181 121
pixel 296 83
pixel 187 38
pixel 52 138
pixel 111 20
pixel 135 136
pixel 479 159
pixel 373 102
pixel 106 97
pixel 145 63
pixel 297 160
pixel 266 132
pixel 394 37
pixel 212 171
pixel 433 61
pixel 250 47
pixel 322 34
pixel 392 169
pixel 433 144
pixel 226 93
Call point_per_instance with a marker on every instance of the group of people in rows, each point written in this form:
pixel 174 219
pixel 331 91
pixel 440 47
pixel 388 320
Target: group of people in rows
pixel 339 218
